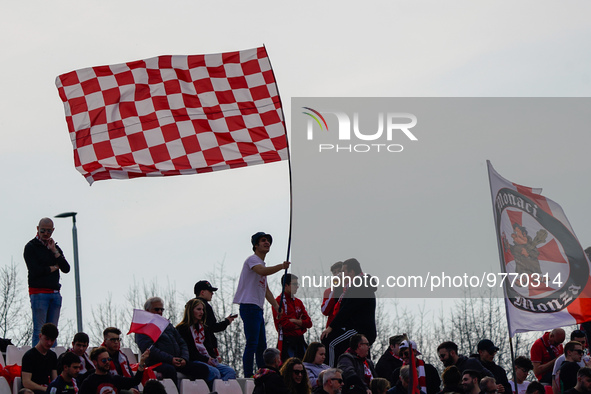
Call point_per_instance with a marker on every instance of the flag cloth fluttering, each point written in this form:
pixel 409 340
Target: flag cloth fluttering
pixel 174 115
pixel 547 283
pixel 151 324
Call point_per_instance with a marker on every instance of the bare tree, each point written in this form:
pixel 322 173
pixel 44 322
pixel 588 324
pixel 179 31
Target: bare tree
pixel 14 322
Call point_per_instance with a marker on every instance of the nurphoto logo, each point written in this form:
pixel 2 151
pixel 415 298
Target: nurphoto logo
pixel 390 126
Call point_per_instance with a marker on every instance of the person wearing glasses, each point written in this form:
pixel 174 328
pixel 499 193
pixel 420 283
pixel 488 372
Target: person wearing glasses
pixel 44 261
pixel 576 335
pixel 295 377
pixel 294 320
pixel 332 382
pixel 522 367
pixel 103 382
pixel 119 361
pixel 428 376
pixel 566 376
pixel 170 350
pixel 358 369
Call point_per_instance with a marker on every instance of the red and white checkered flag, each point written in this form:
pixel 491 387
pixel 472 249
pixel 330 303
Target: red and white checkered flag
pixel 174 115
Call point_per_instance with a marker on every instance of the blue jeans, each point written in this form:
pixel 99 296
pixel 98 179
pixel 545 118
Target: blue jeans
pixel 46 309
pixel 256 341
pixel 221 371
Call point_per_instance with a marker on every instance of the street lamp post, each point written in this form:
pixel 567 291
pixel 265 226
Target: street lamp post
pixel 76 267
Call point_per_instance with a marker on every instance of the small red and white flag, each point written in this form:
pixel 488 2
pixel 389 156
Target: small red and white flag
pixel 546 274
pixel 174 115
pixel 151 324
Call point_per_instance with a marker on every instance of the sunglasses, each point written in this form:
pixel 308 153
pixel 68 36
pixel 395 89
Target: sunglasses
pixel 338 380
pixel 45 230
pixel 298 372
pixel 105 360
pixel 159 309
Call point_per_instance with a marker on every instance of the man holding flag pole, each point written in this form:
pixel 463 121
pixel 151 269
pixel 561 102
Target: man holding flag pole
pixel 251 293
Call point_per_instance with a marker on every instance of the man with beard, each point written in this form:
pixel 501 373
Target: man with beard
pixel 583 382
pixel 470 382
pixel 448 354
pixel 103 382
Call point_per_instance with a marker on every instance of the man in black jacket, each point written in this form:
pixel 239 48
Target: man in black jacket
pixel 204 291
pixel 356 312
pixel 358 369
pixel 44 261
pixel 390 360
pixel 268 379
pixel 448 354
pixel 486 354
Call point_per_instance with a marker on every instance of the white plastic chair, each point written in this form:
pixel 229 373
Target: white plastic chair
pixel 169 386
pixel 17 385
pixel 226 387
pixel 4 386
pixel 2 361
pixel 194 387
pixel 14 354
pixel 246 384
pixel 59 350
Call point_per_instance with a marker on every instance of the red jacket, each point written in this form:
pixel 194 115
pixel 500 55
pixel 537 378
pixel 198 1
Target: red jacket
pixel 292 308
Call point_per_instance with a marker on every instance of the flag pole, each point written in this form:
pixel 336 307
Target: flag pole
pixel 501 261
pixel 290 185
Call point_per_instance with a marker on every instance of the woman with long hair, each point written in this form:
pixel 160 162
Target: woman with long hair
pixel 295 376
pixel 314 361
pixel 198 338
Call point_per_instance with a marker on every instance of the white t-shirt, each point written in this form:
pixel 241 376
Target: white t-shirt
pixel 251 286
pixel 521 386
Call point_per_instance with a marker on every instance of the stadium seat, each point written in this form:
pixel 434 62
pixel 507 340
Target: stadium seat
pixel 194 386
pixel 246 384
pixel 226 387
pixel 169 386
pixel 17 385
pixel 4 386
pixel 59 350
pixel 14 354
pixel 2 363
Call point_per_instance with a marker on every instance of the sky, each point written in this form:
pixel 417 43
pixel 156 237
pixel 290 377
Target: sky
pixel 178 229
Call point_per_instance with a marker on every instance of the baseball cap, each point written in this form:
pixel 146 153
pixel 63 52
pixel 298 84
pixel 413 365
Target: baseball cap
pixel 203 285
pixel 488 345
pixel 405 345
